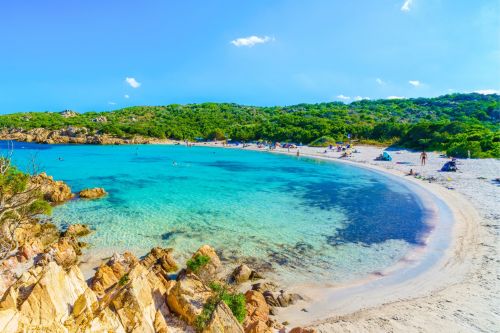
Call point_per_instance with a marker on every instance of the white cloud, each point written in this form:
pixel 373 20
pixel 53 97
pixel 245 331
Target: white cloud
pixel 380 81
pixel 251 41
pixel 111 103
pixel 344 98
pixel 126 96
pixel 359 98
pixel 396 97
pixel 406 5
pixel 487 91
pixel 415 83
pixel 132 82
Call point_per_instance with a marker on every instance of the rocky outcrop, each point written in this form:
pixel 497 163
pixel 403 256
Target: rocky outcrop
pixel 188 296
pixel 223 321
pixel 70 134
pixel 110 273
pixel 210 270
pixel 257 312
pixel 160 261
pixel 77 230
pixel 68 114
pixel 53 191
pixel 92 193
pixel 302 330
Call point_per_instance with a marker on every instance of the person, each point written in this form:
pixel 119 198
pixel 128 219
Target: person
pixel 298 153
pixel 423 158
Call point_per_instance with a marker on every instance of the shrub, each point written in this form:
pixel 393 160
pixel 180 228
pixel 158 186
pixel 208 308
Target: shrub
pixel 198 261
pixel 324 141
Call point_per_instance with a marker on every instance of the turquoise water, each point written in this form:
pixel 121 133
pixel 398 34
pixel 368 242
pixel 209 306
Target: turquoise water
pixel 298 218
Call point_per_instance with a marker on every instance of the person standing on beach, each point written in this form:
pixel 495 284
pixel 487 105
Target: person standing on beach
pixel 423 158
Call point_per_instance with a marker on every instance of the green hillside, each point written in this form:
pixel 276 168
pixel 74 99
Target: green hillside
pixel 454 123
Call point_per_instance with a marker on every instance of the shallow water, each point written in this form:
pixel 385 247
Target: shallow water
pixel 303 219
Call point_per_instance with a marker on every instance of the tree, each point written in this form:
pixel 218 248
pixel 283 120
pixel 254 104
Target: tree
pixel 21 203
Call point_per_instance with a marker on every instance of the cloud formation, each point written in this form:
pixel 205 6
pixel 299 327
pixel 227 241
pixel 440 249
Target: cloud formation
pixel 380 81
pixel 132 82
pixel 407 5
pixel 111 103
pixel 126 96
pixel 359 98
pixel 414 83
pixel 396 97
pixel 251 41
pixel 488 91
pixel 343 97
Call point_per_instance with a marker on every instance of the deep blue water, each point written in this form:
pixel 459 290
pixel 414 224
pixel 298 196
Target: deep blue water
pixel 295 216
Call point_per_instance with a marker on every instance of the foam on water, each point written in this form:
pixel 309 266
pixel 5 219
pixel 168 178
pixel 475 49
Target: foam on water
pixel 303 219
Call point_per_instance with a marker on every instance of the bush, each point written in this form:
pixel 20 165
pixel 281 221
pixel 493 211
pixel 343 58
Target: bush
pixel 324 141
pixel 235 301
pixel 198 261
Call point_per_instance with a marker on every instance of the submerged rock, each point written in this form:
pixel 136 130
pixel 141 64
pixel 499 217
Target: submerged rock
pixel 92 193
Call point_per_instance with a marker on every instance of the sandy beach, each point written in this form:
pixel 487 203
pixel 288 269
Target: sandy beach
pixel 457 293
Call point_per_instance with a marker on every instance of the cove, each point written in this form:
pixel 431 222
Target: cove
pixel 297 218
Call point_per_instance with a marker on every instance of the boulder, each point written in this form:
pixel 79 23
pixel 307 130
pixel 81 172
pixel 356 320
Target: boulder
pixel 92 193
pixel 302 330
pixel 223 321
pixel 103 279
pixel 241 274
pixel 160 260
pixel 188 296
pixel 77 230
pixel 53 191
pixel 64 252
pixel 257 312
pixel 212 268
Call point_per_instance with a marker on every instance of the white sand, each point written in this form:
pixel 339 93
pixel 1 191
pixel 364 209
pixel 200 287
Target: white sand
pixel 459 293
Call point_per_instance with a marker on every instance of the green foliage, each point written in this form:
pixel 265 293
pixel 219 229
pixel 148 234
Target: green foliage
pixel 431 123
pixel 123 280
pixel 235 301
pixel 198 261
pixel 324 141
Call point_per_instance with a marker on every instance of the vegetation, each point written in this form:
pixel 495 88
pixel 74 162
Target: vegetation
pixel 457 123
pixel 198 261
pixel 234 301
pixel 21 203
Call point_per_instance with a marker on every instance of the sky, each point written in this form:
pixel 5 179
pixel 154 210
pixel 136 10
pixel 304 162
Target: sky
pixel 103 55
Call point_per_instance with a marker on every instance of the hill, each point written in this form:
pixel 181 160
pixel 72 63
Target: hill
pixel 456 123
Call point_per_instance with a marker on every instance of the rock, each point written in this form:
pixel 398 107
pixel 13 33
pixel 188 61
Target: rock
pixel 302 330
pixel 161 260
pixel 209 271
pixel 258 327
pixel 103 279
pixel 223 321
pixel 257 307
pixel 77 230
pixel 46 307
pixel 92 193
pixel 68 113
pixel 100 119
pixel 138 302
pixel 188 296
pixel 9 321
pixel 53 191
pixel 242 274
pixel 264 286
pixel 281 299
pixel 64 252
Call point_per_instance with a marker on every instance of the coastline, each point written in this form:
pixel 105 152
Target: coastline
pixel 407 305
pixel 456 294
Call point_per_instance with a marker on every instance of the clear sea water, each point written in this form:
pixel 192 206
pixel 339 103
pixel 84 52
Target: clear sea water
pixel 299 219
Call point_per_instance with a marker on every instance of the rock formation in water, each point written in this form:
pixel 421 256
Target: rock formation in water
pixel 54 191
pixel 92 193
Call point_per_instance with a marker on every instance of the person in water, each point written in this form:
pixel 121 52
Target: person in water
pixel 423 158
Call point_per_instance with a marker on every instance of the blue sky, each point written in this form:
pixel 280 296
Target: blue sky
pixel 103 55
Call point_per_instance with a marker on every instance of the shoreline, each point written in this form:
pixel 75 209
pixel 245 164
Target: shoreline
pixel 463 278
pixel 361 306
